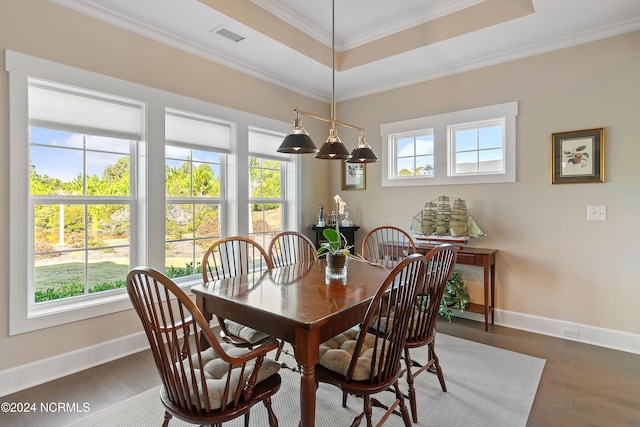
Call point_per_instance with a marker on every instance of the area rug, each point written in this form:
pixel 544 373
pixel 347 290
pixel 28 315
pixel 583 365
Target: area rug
pixel 486 386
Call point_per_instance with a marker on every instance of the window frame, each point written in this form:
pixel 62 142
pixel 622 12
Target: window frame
pixel 266 150
pixel 440 124
pixel 128 116
pixel 147 228
pixel 259 236
pixel 411 134
pixel 222 150
pixel 85 201
pixel 476 125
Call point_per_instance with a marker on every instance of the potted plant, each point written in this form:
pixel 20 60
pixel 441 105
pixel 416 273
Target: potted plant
pixel 336 248
pixel 454 296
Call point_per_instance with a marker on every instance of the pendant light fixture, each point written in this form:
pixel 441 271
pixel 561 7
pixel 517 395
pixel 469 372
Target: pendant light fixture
pixel 299 141
pixel 363 152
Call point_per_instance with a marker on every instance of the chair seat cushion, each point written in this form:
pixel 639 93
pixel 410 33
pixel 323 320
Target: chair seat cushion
pixel 384 324
pixel 336 354
pixel 216 372
pixel 248 334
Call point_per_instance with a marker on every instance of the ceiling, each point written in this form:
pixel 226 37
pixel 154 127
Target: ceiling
pixel 379 44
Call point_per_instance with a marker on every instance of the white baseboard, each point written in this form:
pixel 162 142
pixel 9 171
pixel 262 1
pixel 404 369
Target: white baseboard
pixel 45 370
pixel 601 337
pixel 42 371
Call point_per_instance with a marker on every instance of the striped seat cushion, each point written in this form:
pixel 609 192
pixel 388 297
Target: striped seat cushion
pixel 248 334
pixel 216 372
pixel 336 354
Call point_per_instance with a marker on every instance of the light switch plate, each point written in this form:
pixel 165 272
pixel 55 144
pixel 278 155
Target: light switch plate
pixel 598 213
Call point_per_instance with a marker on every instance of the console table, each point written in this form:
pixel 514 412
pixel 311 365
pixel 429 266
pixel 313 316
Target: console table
pixel 349 234
pixel 481 257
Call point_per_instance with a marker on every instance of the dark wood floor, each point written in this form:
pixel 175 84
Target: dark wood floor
pixel 581 385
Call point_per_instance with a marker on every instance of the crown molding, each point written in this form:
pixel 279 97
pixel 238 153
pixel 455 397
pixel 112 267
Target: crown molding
pixel 151 32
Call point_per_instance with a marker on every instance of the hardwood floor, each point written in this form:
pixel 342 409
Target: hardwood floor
pixel 581 385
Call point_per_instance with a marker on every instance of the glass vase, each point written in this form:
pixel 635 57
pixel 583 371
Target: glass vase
pixel 336 270
pixel 346 222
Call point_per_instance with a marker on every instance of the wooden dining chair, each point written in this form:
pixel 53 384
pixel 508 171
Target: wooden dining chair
pixel 363 363
pixel 231 257
pixel 387 243
pixel 291 247
pixel 204 381
pixel 422 324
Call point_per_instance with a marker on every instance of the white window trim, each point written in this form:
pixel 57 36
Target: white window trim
pixel 147 241
pixel 393 148
pixel 451 129
pixel 439 124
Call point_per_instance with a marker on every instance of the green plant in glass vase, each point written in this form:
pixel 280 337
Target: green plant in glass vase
pixel 454 296
pixel 336 243
pixel 336 248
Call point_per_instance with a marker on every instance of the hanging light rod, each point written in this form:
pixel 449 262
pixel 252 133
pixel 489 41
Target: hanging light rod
pixel 299 141
pixel 328 120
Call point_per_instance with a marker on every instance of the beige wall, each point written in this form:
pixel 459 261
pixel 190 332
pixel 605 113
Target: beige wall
pixel 43 29
pixel 552 262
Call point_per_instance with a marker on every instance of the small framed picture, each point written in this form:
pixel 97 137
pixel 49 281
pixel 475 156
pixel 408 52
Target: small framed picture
pixel 353 176
pixel 577 156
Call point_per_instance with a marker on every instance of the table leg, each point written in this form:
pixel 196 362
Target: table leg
pixel 200 303
pixel 307 355
pixel 493 290
pixel 308 396
pixel 486 296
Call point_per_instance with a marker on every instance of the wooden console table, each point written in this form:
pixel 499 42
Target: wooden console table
pixel 481 257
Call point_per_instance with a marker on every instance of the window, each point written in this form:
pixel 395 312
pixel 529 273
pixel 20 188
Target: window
pixel 195 154
pixel 107 174
pixel 477 148
pixel 266 186
pixel 81 220
pixel 80 190
pixel 462 147
pixel 414 154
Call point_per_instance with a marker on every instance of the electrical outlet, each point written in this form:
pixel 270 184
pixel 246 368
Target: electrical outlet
pixel 570 333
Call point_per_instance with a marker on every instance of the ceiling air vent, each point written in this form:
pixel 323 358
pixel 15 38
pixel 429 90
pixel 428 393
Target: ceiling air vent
pixel 228 34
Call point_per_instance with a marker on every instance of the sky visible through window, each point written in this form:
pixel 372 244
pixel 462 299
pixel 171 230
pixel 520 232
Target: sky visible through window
pixel 415 154
pixel 58 154
pixel 488 139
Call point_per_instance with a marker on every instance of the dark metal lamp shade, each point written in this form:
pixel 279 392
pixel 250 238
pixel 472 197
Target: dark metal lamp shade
pixel 297 144
pixel 333 148
pixel 298 141
pixel 363 153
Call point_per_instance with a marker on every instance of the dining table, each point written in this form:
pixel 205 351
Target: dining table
pixel 297 304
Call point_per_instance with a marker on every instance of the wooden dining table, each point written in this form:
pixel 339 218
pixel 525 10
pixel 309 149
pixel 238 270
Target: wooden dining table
pixel 298 305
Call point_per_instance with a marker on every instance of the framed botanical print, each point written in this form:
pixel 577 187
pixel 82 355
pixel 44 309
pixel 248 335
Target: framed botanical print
pixel 353 176
pixel 577 156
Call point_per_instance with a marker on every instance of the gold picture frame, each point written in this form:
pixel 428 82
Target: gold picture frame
pixel 353 176
pixel 577 156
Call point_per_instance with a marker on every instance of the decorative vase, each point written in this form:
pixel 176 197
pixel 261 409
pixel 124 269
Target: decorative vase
pixel 336 268
pixel 346 222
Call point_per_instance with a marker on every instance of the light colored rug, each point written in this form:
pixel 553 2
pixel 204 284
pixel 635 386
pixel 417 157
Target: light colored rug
pixel 486 386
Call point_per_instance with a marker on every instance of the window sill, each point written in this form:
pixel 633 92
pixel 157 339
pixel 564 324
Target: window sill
pixel 56 313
